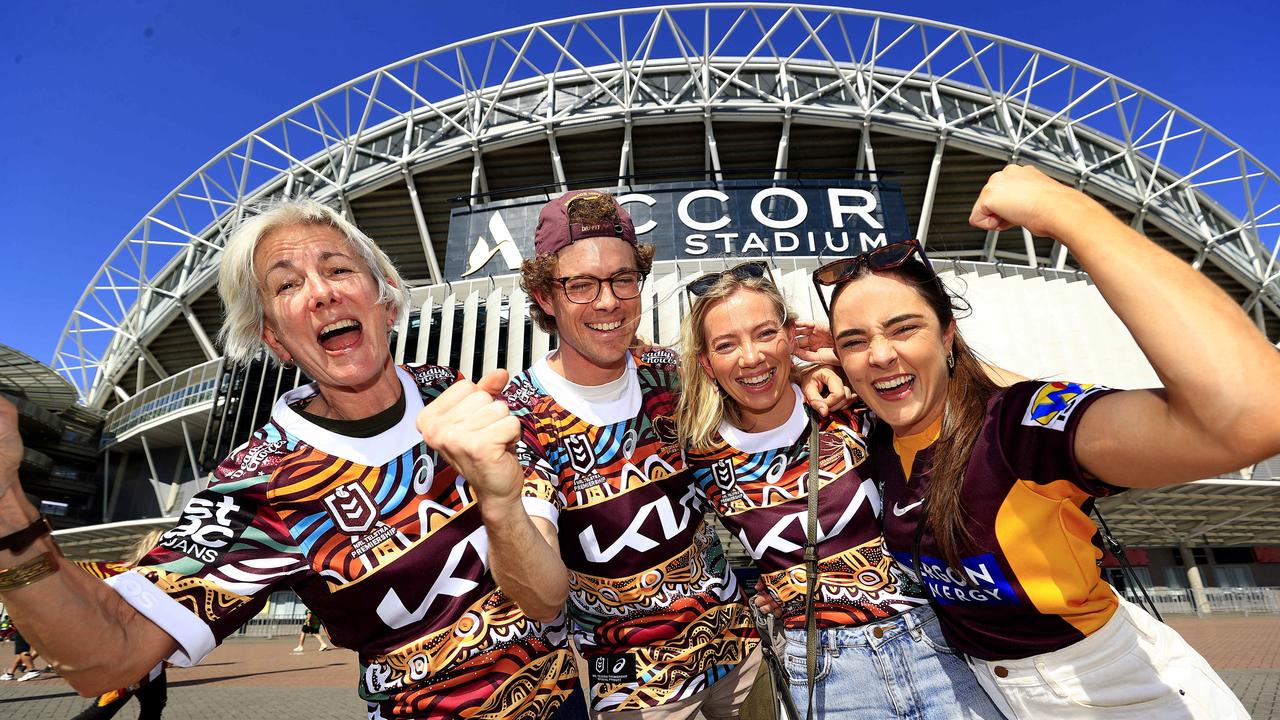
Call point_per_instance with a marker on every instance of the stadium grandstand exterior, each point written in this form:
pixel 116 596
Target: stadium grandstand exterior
pixel 733 129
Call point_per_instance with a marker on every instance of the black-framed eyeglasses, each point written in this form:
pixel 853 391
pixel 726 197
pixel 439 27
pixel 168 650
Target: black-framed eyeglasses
pixel 583 289
pixel 742 271
pixel 885 257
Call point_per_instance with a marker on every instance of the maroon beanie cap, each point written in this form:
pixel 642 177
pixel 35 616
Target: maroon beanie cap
pixel 555 232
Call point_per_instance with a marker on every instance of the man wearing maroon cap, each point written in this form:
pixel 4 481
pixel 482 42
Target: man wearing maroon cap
pixel 653 607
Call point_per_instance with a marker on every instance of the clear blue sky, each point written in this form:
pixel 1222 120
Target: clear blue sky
pixel 107 106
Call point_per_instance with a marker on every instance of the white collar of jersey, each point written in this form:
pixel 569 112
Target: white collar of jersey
pixel 592 412
pixel 374 451
pixel 780 437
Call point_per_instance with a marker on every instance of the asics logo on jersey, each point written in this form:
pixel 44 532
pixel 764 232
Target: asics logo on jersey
pixel 424 473
pixel 453 581
pixel 632 538
pixel 900 511
pixel 581 457
pixel 351 508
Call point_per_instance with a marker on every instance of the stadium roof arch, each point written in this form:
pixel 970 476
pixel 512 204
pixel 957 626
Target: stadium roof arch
pixel 595 99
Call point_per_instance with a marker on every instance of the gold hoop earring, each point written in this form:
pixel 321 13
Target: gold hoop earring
pixel 951 361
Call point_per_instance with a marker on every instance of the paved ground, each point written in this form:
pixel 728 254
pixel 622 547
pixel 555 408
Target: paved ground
pixel 257 679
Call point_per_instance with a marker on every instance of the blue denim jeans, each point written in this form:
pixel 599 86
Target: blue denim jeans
pixel 896 668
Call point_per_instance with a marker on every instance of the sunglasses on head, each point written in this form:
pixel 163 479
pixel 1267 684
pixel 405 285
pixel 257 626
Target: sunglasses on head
pixel 742 271
pixel 886 257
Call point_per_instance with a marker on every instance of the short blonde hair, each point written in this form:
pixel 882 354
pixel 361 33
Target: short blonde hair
pixel 241 334
pixel 702 405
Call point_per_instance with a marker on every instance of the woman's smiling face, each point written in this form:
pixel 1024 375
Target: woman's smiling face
pixel 321 308
pixel 748 353
pixel 893 350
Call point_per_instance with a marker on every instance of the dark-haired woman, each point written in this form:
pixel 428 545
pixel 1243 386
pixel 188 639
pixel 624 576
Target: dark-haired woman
pixel 747 436
pixel 987 489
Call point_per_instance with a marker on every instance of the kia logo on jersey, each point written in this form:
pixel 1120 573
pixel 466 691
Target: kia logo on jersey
pixel 351 508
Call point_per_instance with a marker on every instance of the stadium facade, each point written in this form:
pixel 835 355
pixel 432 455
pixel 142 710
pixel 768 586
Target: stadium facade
pixel 786 131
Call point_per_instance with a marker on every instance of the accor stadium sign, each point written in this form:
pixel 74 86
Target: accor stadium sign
pixel 826 218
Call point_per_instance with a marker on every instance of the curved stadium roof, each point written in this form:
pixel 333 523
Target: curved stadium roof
pixel 714 90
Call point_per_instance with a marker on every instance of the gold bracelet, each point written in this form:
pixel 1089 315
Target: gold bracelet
pixel 27 573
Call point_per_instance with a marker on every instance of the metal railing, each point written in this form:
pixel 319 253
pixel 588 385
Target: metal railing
pixel 190 387
pixel 1246 600
pixel 270 627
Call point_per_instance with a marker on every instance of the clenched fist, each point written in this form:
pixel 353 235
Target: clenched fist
pixel 1020 195
pixel 475 431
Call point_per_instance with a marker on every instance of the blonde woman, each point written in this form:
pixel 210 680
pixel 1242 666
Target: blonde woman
pixel 743 423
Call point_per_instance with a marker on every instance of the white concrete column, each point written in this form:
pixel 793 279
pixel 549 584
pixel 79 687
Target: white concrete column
pixel 1194 580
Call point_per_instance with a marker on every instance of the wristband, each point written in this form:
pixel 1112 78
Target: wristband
pixel 27 573
pixel 16 542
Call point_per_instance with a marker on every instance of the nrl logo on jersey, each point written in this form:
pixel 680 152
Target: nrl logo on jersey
pixel 355 514
pixel 351 508
pixel 724 475
pixel 582 460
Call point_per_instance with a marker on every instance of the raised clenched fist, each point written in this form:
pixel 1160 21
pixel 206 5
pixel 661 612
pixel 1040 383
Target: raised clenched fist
pixel 473 428
pixel 1021 195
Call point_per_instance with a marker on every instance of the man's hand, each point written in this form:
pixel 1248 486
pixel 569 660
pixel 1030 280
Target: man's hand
pixel 10 448
pixel 814 343
pixel 1021 195
pixel 475 431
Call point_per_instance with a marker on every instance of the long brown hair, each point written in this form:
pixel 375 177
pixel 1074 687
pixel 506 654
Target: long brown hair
pixel 969 389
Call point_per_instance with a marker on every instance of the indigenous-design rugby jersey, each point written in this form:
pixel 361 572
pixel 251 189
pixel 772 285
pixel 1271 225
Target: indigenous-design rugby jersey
pixel 759 485
pixel 1030 582
pixel 102 570
pixel 650 587
pixel 383 540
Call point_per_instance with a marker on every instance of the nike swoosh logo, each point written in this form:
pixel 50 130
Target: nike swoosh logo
pixel 899 512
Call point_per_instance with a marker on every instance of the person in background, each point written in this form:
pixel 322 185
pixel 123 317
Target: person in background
pixel 311 625
pixel 23 667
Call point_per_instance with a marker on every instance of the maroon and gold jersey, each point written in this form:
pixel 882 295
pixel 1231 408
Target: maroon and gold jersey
pixel 1030 581
pixel 102 570
pixel 759 485
pixel 383 540
pixel 653 605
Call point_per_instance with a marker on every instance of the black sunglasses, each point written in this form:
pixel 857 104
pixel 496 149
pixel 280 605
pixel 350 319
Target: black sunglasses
pixel 885 257
pixel 742 271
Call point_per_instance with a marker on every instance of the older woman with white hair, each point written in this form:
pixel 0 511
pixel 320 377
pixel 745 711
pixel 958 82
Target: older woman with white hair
pixel 337 497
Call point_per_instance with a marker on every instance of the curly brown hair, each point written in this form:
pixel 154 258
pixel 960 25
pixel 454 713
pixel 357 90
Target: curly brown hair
pixel 538 275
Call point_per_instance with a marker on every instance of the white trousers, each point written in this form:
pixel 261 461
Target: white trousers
pixel 1134 667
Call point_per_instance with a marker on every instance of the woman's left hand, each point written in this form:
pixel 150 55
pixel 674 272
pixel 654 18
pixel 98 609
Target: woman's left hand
pixel 814 343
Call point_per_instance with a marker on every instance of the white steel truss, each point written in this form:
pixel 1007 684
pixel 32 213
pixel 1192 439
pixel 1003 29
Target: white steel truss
pixel 865 70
